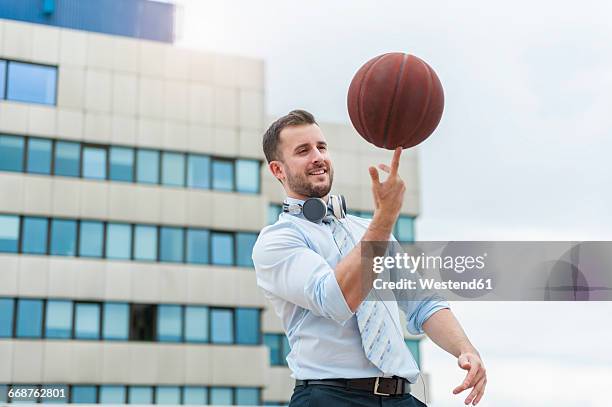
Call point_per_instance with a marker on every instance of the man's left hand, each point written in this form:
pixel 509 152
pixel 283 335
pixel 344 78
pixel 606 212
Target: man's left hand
pixel 476 377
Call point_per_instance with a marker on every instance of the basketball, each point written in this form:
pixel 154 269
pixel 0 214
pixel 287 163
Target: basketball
pixel 395 100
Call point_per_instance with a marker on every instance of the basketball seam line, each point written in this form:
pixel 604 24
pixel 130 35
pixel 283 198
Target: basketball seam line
pixel 359 101
pixel 426 109
pixel 397 82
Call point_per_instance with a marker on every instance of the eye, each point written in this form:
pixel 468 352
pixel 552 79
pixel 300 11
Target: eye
pixel 323 148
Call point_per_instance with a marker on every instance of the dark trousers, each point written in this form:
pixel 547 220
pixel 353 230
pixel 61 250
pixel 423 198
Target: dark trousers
pixel 328 396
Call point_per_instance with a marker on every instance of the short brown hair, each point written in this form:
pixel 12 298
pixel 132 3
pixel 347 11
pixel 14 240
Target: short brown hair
pixel 271 137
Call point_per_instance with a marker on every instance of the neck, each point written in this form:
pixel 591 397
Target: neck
pixel 294 195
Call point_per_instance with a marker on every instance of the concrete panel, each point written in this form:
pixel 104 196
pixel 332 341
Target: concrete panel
pixel 199 287
pixel 97 127
pixel 150 133
pixel 145 283
pixel 70 123
pixel 123 130
pixel 270 322
pixel 14 117
pixel 250 143
pixel 62 277
pixel 176 63
pixel 37 194
pixel 11 190
pixel 32 279
pixel 251 74
pixel 151 97
pixel 57 359
pixel 176 136
pixel 151 58
pixel 118 284
pixel 225 107
pixel 122 204
pixel 225 70
pixel 200 139
pixel 98 90
pixel 201 105
pixel 198 364
pixel 257 209
pixel 86 366
pixel 45 44
pixel 27 361
pixel 171 364
pixel 90 279
pixel 225 209
pixel 17 40
pixel 173 283
pixel 173 209
pixel 225 141
pixel 176 98
pixel 125 93
pixel 201 67
pixel 248 375
pixel 6 356
pixel 251 109
pixel 94 202
pixel 144 363
pixel 9 274
pixel 280 384
pixel 66 197
pixel 199 207
pixel 100 49
pixel 71 87
pixel 116 362
pixel 148 203
pixel 126 55
pixel 73 48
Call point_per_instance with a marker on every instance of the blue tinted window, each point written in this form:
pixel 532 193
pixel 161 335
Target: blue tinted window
pixel 222 325
pixel 91 238
pixel 222 248
pixel 87 321
pixel 3 387
pixel 413 346
pixel 247 396
pixel 285 348
pixel 223 175
pixel 121 164
pixel 169 323
pixel 147 166
pixel 62 399
pixel 140 395
pixel 2 89
pixel 273 212
pixel 29 318
pixel 9 233
pixel 167 395
pixel 116 318
pixel 173 169
pixel 31 83
pixel 272 342
pixel 58 319
pixel 34 235
pixel 247 326
pixel 247 176
pixel 196 324
pixel 63 237
pixel 118 241
pixel 193 395
pixel 198 171
pixel 221 396
pixel 11 153
pixel 145 242
pixel 197 246
pixel 83 394
pixel 39 156
pixel 171 244
pixel 404 229
pixel 67 159
pixel 244 248
pixel 7 306
pixel 94 162
pixel 112 394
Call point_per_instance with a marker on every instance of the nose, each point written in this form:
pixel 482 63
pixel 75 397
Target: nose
pixel 317 156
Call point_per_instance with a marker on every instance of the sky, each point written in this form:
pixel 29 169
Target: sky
pixel 522 151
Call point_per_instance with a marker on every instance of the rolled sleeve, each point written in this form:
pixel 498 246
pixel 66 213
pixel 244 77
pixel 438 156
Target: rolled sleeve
pixel 417 312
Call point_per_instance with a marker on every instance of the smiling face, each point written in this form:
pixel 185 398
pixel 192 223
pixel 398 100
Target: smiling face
pixel 304 166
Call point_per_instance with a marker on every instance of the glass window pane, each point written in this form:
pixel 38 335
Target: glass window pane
pixel 3 387
pixel 247 396
pixel 145 243
pixel 272 342
pixel 413 346
pixel 404 229
pixel 87 321
pixel 58 319
pixel 247 176
pixel 67 159
pixel 112 394
pixel 171 244
pixel 247 326
pixel 173 169
pixel 285 348
pixel 31 83
pixel 244 248
pixel 62 395
pixel 198 171
pixel 197 246
pixel 222 249
pixel 94 162
pixel 116 321
pixel 34 235
pixel 140 395
pixel 223 175
pixel 29 318
pixel 7 306
pixel 63 237
pixel 273 212
pixel 9 233
pixel 221 396
pixel 83 394
pixel 147 166
pixel 11 153
pixel 142 322
pixel 167 395
pixel 122 164
pixel 196 324
pixel 91 238
pixel 169 323
pixel 39 156
pixel 222 325
pixel 195 395
pixel 118 241
pixel 2 89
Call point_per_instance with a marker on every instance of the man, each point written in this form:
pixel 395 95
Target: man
pixel 344 351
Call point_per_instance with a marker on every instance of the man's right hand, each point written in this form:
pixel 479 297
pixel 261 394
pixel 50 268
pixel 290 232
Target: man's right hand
pixel 388 195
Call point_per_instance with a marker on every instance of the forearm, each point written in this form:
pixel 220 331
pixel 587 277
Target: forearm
pixel 443 328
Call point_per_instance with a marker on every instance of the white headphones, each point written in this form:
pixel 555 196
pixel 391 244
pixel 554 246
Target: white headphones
pixel 315 209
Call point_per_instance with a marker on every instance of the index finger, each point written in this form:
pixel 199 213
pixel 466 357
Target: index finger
pixel 395 160
pixel 469 378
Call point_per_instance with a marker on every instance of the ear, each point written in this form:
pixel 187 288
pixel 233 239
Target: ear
pixel 276 168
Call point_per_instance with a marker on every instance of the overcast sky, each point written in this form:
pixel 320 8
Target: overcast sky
pixel 523 151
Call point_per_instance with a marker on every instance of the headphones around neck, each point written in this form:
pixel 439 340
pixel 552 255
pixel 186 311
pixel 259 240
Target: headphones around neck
pixel 315 209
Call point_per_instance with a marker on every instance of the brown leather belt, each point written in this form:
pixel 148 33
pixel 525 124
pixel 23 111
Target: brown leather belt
pixel 382 386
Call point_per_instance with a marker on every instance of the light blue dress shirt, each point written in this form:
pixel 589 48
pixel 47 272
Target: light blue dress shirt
pixel 294 261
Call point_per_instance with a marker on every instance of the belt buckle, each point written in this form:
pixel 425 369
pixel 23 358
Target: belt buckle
pixel 376 384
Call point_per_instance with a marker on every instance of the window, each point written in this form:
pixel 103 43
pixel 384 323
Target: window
pixel 221 396
pixel 222 325
pixel 171 244
pixel 9 233
pixel 197 246
pixel 285 348
pixel 31 83
pixel 413 346
pixel 404 229
pixel 273 213
pixel 193 395
pixel 94 162
pixel 173 169
pixel 39 156
pixel 115 321
pixel 140 395
pixel 118 241
pixel 247 176
pixel 29 318
pixel 58 319
pixel 112 394
pixel 91 238
pixel 87 321
pixel 11 153
pixel 121 164
pixel 147 166
pixel 222 250
pixel 247 326
pixel 63 237
pixel 7 306
pixel 244 248
pixel 34 235
pixel 169 323
pixel 198 171
pixel 83 394
pixel 223 175
pixel 247 396
pixel 196 323
pixel 278 344
pixel 2 90
pixel 142 322
pixel 3 387
pixel 145 242
pixel 167 395
pixel 67 159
